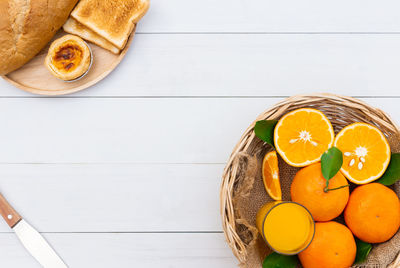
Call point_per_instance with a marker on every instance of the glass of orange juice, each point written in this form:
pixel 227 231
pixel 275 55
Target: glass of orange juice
pixel 287 227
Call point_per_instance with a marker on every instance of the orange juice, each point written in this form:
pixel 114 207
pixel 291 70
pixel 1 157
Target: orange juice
pixel 287 227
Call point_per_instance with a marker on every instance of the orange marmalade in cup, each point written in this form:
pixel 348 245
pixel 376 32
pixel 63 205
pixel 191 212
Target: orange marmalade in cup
pixel 287 227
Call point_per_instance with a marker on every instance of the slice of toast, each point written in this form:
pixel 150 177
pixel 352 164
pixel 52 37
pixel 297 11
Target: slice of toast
pixel 76 28
pixel 112 19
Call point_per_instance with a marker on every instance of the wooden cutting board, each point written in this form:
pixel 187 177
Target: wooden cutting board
pixel 35 78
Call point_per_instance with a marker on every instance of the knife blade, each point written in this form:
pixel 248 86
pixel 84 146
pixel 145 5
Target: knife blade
pixel 37 246
pixel 31 239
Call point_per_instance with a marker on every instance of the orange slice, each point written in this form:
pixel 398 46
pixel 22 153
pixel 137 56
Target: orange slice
pixel 270 173
pixel 366 152
pixel 302 136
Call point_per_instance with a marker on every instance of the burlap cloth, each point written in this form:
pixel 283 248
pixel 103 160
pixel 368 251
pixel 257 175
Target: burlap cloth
pixel 249 195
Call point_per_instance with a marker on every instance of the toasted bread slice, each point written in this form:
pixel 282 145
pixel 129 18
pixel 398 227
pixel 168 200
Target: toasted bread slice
pixel 112 19
pixel 76 28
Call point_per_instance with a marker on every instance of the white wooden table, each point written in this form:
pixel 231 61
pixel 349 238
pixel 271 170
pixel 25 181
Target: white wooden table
pixel 127 173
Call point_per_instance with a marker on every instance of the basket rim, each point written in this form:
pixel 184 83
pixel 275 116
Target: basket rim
pixel 227 212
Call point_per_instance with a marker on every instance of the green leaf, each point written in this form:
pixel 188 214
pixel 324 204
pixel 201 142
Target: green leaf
pixel 363 249
pixel 392 173
pixel 264 130
pixel 331 162
pixel 275 260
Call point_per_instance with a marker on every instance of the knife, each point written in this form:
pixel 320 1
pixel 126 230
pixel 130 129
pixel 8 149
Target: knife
pixel 30 238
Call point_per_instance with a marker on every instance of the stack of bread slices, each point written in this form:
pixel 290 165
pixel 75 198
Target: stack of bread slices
pixel 107 23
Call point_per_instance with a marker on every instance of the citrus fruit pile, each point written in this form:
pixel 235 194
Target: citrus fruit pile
pixel 371 211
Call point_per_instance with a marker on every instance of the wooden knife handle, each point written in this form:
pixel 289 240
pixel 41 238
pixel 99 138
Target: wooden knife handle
pixel 8 212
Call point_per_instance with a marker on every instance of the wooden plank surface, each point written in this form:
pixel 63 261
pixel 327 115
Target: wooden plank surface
pixel 180 199
pixel 142 250
pixel 251 65
pixel 272 16
pixel 114 197
pixel 147 192
pixel 130 130
pixel 127 173
pixel 123 130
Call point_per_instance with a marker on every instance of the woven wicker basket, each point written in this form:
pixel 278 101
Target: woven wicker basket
pixel 239 230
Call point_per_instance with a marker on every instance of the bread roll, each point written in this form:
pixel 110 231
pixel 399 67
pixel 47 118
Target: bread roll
pixel 26 26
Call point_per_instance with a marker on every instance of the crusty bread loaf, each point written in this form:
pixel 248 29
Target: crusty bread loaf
pixel 74 27
pixel 112 19
pixel 26 26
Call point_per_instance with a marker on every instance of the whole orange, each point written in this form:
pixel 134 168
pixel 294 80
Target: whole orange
pixel 333 246
pixel 373 213
pixel 308 189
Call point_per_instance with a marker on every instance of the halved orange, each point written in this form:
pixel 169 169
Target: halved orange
pixel 302 136
pixel 270 173
pixel 366 152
